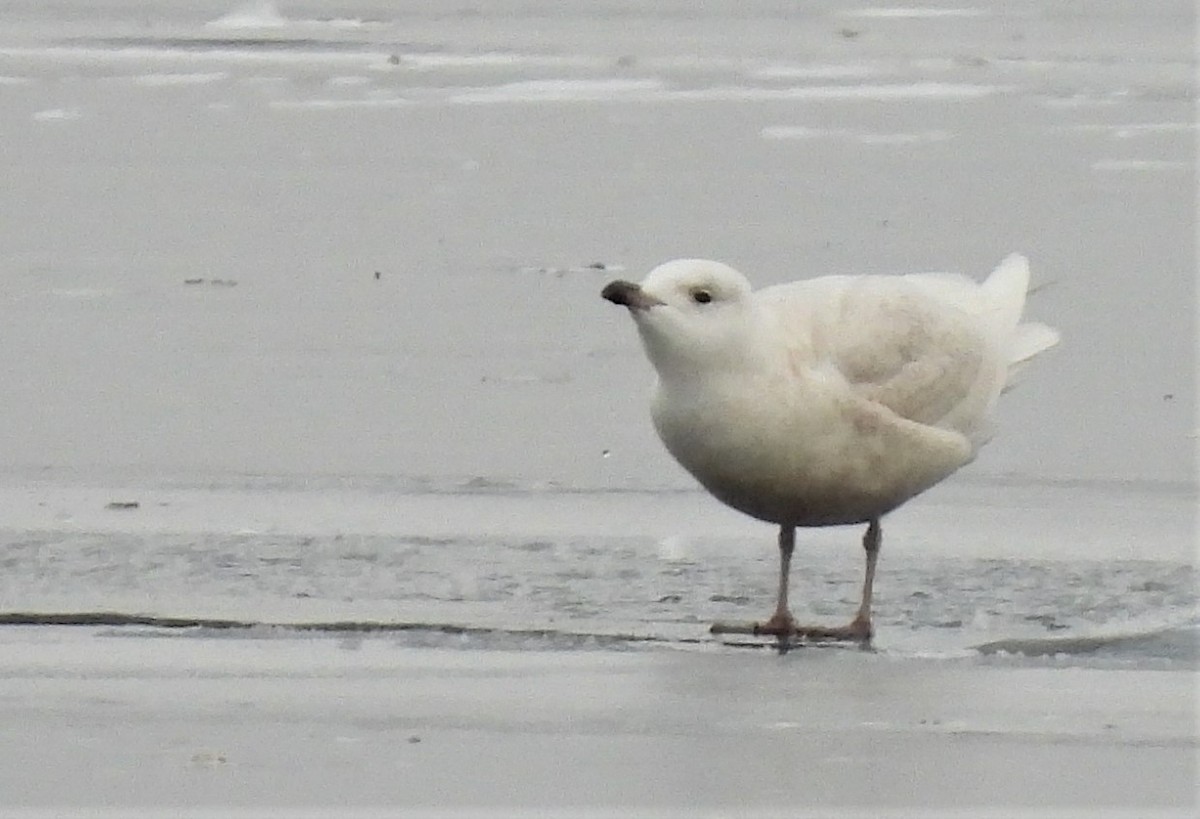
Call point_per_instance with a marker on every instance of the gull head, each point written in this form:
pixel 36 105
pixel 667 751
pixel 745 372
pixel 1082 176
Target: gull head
pixel 692 314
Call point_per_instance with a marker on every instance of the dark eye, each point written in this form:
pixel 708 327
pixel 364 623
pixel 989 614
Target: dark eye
pixel 701 296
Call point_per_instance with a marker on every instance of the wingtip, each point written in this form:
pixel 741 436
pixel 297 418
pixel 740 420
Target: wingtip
pixel 1013 263
pixel 1007 287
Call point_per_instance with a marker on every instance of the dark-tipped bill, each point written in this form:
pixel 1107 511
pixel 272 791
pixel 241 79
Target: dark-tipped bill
pixel 629 295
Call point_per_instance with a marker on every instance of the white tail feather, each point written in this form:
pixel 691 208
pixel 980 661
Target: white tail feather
pixel 1026 342
pixel 1005 289
pixel 998 302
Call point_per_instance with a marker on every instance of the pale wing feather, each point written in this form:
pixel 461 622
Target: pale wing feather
pixel 896 346
pixel 921 358
pixel 998 304
pixel 933 348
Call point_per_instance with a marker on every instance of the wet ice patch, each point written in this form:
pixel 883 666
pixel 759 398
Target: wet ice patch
pixel 1180 643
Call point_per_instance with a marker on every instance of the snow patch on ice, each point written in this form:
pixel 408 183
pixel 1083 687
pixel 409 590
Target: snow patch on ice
pixel 795 132
pixel 674 548
pixel 57 115
pixel 903 139
pixel 436 61
pixel 822 93
pixel 1138 165
pixel 815 71
pixel 257 14
pixel 228 51
pixel 912 13
pixel 1150 128
pixel 559 91
pixel 162 80
pixel 79 293
pixel 653 90
pixel 349 80
pixel 1130 130
pixel 1081 101
pixel 339 105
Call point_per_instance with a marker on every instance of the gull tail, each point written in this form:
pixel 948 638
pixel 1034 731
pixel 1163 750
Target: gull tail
pixel 1005 291
pixel 1027 341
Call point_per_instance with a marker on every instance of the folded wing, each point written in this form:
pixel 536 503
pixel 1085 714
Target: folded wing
pixel 923 360
pixel 935 349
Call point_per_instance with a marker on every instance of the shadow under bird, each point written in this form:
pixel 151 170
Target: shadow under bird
pixel 828 401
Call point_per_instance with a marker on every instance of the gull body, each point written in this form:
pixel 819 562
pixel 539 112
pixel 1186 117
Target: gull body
pixel 832 400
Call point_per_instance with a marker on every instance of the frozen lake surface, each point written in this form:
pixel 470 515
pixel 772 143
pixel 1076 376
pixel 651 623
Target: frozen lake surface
pixel 316 287
pixel 497 167
pixel 346 727
pixel 547 568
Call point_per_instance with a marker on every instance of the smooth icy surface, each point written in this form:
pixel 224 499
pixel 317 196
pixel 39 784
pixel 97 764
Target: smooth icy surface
pixel 1037 562
pixel 146 149
pixel 140 720
pixel 316 286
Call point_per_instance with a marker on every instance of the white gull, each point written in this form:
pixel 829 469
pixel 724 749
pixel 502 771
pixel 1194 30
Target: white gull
pixel 828 401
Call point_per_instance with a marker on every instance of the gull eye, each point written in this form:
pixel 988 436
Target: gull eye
pixel 701 296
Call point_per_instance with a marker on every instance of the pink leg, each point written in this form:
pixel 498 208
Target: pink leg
pixel 783 625
pixel 860 626
pixel 781 622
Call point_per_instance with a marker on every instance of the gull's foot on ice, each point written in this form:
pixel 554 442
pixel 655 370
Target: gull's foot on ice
pixel 781 625
pixel 786 627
